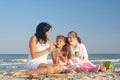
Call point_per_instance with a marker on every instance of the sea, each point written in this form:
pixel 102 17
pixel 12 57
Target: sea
pixel 17 62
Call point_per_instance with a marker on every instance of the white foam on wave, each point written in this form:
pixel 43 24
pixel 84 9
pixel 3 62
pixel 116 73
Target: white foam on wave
pixel 12 64
pixel 13 60
pixel 103 60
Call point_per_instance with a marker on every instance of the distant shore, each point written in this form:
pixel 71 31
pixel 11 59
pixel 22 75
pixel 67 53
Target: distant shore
pixel 109 75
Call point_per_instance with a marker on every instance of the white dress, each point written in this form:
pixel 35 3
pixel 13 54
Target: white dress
pixel 76 60
pixel 34 63
pixel 81 49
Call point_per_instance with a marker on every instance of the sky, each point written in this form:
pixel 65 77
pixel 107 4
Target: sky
pixel 97 23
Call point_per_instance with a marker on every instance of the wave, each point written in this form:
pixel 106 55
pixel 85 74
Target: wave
pixel 104 60
pixel 8 64
pixel 116 61
pixel 13 60
pixel 23 61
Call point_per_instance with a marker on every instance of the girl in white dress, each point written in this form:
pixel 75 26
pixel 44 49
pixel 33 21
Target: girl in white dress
pixel 79 53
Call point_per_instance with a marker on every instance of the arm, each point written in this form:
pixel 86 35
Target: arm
pixel 32 45
pixel 57 53
pixel 63 58
pixel 84 52
pixel 51 44
pixel 81 56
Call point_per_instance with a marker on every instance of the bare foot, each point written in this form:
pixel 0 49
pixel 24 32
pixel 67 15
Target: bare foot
pixel 103 68
pixel 20 73
pixel 86 71
pixel 72 72
pixel 78 70
pixel 17 73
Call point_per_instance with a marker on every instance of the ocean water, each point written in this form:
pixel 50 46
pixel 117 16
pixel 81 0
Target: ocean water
pixel 16 62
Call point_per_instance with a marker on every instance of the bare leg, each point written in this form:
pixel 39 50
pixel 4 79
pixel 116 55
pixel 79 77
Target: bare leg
pixel 55 68
pixel 41 70
pixel 101 68
pixel 97 69
pixel 52 68
pixel 70 71
pixel 78 70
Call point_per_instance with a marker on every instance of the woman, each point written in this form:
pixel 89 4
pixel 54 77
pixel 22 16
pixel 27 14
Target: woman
pixel 40 45
pixel 79 53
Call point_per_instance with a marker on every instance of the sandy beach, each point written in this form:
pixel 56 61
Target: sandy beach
pixel 109 75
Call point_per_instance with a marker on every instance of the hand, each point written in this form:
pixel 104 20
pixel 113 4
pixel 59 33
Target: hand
pixel 58 52
pixel 81 56
pixel 51 49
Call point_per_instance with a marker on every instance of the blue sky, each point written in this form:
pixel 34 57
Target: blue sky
pixel 97 23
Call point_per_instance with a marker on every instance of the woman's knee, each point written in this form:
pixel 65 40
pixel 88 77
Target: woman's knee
pixel 59 68
pixel 42 65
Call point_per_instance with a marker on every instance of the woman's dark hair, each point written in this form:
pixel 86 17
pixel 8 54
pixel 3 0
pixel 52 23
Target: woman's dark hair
pixel 41 29
pixel 75 35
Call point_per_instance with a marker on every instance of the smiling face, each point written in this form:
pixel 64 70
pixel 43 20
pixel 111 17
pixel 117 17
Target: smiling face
pixel 72 39
pixel 60 42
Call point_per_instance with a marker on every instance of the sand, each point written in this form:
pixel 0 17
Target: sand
pixel 108 75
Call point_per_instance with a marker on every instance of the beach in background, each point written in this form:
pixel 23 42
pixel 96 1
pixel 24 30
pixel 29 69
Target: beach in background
pixel 16 62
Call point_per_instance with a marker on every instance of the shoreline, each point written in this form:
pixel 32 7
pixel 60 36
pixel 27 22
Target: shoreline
pixel 108 75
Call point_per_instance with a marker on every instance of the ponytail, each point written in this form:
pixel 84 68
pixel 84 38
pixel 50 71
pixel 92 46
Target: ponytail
pixel 79 40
